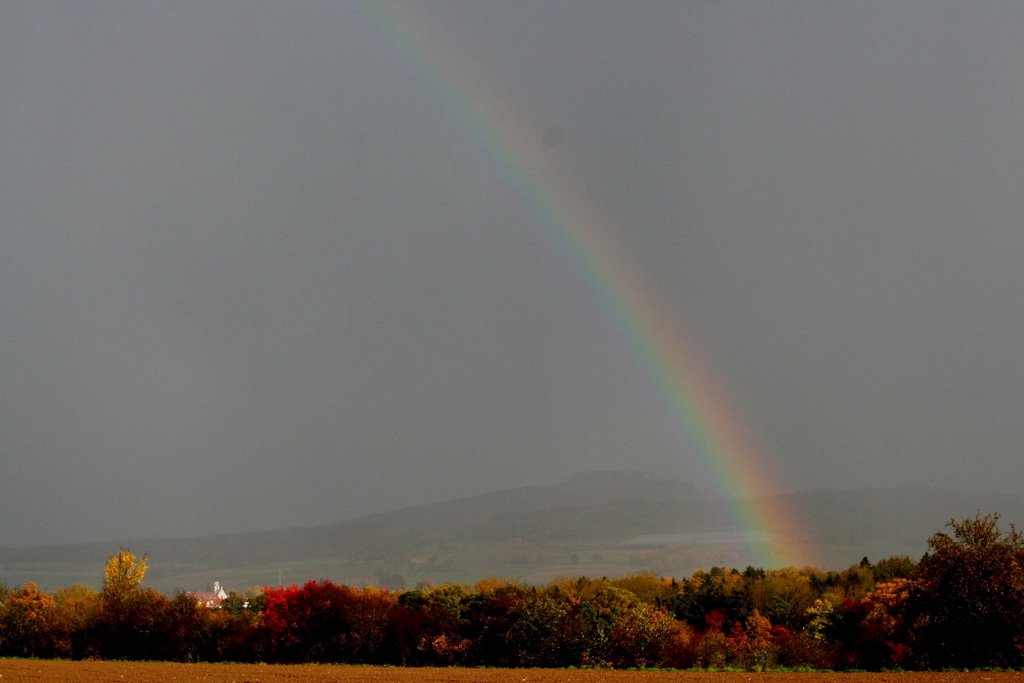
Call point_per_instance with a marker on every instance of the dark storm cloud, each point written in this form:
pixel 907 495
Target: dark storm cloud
pixel 252 272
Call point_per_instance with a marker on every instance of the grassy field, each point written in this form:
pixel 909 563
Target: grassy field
pixel 90 672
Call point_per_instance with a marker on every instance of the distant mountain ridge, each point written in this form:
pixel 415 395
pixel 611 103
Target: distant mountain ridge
pixel 588 524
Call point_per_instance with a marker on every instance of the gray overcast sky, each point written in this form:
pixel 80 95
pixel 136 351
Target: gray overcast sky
pixel 254 273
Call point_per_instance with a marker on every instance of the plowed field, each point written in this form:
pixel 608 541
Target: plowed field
pixel 35 670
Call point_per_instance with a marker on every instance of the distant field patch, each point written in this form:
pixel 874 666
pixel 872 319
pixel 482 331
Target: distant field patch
pixel 700 538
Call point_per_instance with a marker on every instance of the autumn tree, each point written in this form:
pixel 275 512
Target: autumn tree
pixel 783 595
pixel 124 573
pixel 369 613
pixel 712 647
pixel 724 592
pixel 968 600
pixel 895 567
pixel 132 622
pixel 189 630
pixel 884 629
pixel 429 626
pixel 76 609
pixel 326 622
pixel 232 635
pixel 535 628
pixel 750 643
pixel 26 618
pixel 643 636
pixel 491 615
pixel 137 625
pixel 647 587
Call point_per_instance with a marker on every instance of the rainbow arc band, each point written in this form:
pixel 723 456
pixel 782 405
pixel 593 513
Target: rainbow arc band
pixel 696 403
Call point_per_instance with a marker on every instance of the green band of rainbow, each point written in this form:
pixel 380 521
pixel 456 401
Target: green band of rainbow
pixel 685 384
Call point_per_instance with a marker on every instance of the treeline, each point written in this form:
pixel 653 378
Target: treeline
pixel 961 605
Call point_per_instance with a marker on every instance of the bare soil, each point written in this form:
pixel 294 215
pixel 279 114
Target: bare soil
pixel 55 670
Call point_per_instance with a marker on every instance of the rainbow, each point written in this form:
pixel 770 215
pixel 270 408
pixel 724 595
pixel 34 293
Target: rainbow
pixel 686 386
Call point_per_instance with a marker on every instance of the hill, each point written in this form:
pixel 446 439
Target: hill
pixel 608 523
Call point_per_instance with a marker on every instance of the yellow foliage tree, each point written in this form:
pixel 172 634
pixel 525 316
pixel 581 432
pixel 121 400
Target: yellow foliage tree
pixel 124 572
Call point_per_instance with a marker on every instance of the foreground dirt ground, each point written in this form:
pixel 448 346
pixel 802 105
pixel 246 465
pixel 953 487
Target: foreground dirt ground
pixel 37 670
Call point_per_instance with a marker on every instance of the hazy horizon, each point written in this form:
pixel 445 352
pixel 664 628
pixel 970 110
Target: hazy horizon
pixel 262 266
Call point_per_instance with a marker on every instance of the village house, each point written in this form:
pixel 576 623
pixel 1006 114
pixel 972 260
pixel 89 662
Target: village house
pixel 212 598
